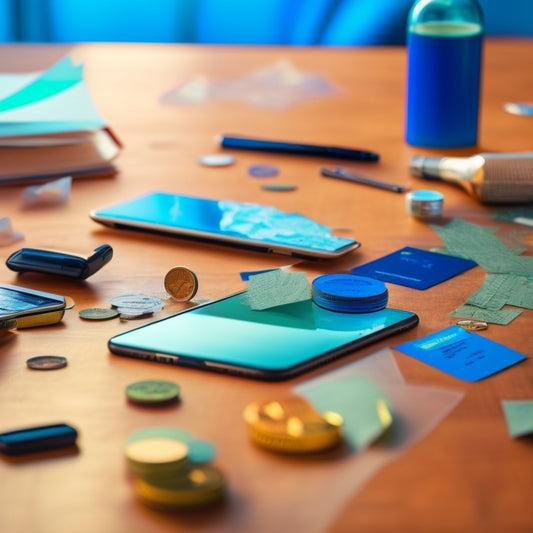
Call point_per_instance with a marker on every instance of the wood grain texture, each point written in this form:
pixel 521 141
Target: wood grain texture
pixel 466 476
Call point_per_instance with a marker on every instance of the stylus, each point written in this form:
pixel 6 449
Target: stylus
pixel 345 174
pixel 281 147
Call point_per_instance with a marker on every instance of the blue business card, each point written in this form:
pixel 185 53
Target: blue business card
pixel 414 268
pixel 462 354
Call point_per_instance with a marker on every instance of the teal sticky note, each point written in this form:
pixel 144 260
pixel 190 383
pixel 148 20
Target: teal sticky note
pixel 519 417
pixel 360 401
pixel 57 78
pixel 74 104
pixel 57 101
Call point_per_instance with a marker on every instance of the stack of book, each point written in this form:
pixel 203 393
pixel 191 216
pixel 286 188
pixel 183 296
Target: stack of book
pixel 50 128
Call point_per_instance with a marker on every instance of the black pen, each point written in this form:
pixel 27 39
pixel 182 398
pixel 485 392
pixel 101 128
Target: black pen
pixel 263 145
pixel 345 174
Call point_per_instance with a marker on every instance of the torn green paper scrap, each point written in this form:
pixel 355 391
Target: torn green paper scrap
pixel 479 244
pixel 519 416
pixel 501 316
pixel 361 403
pixel 500 289
pixel 277 287
pixel 464 239
pixel 522 293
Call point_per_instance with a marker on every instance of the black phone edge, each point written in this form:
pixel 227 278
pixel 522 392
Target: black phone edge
pixel 264 375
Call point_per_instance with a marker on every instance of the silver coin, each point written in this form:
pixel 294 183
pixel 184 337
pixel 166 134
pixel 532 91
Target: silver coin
pixel 126 310
pixel 136 301
pixel 128 313
pixel 263 171
pixel 46 362
pixel 97 313
pixel 277 187
pixel 216 160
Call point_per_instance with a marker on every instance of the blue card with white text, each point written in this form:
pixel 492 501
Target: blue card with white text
pixel 463 354
pixel 415 268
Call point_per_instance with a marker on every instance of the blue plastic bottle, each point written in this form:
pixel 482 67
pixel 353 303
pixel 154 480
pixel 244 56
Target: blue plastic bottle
pixel 444 43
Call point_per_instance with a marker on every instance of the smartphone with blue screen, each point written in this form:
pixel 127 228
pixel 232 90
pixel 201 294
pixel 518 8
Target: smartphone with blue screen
pixel 28 307
pixel 274 344
pixel 243 225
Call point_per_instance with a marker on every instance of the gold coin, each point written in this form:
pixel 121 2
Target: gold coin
pixel 181 283
pixel 472 325
pixel 156 457
pixel 156 451
pixel 196 487
pixel 292 425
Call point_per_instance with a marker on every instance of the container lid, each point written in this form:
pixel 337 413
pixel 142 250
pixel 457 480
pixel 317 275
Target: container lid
pixel 349 293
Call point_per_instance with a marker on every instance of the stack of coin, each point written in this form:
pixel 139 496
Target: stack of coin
pixel 196 486
pixel 348 293
pixel 172 468
pixel 292 425
pixel 136 305
pixel 156 457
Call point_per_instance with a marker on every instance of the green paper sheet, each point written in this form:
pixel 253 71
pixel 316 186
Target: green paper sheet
pixel 500 316
pixel 501 289
pixel 277 287
pixel 519 417
pixel 359 401
pixel 481 245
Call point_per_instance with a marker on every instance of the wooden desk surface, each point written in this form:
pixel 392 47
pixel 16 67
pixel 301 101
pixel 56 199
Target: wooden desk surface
pixel 466 475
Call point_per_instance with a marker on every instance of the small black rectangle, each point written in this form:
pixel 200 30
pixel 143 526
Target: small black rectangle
pixel 37 439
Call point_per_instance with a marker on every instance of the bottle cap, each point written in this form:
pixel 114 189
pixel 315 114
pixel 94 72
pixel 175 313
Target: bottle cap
pixel 424 204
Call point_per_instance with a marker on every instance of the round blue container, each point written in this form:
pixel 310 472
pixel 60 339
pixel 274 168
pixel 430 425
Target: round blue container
pixel 349 294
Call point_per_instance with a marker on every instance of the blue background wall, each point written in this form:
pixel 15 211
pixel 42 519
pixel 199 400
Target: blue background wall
pixel 297 22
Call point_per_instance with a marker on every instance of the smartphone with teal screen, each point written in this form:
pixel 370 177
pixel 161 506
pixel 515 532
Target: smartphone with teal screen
pixel 275 344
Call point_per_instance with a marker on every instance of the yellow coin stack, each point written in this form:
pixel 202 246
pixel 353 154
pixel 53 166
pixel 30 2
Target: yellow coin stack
pixel 198 485
pixel 156 457
pixel 166 477
pixel 292 425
